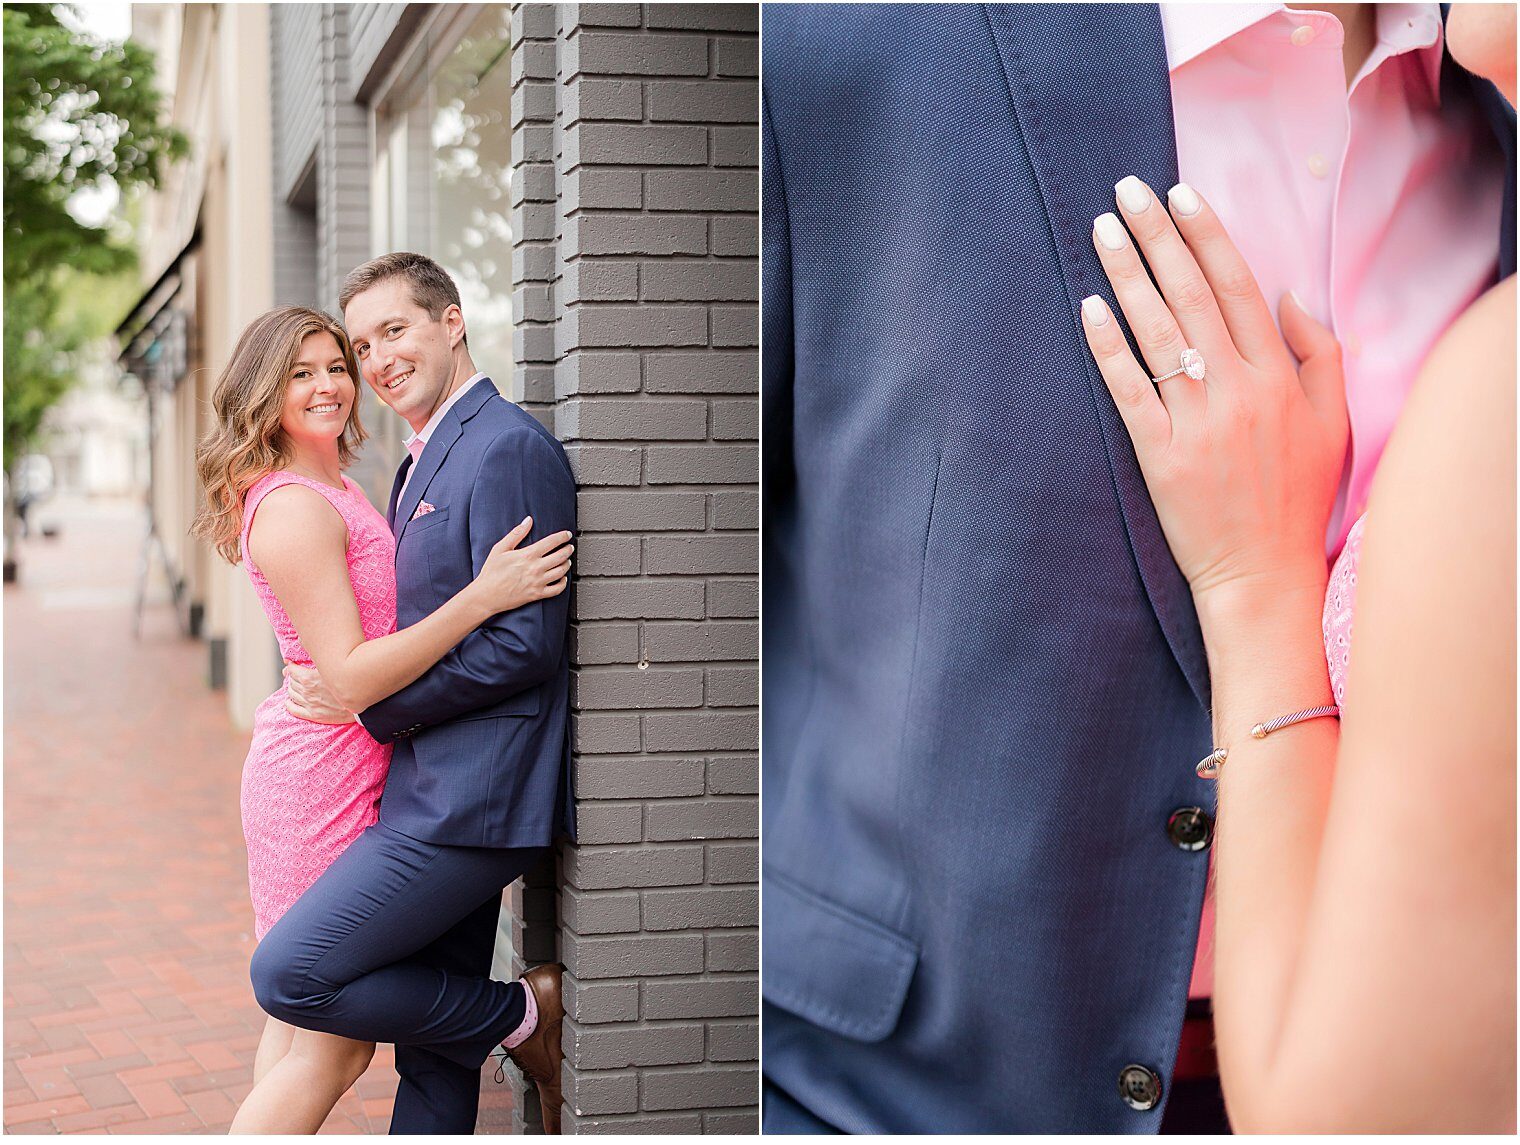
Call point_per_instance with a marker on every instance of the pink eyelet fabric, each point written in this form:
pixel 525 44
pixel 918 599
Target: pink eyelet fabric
pixel 1340 604
pixel 309 789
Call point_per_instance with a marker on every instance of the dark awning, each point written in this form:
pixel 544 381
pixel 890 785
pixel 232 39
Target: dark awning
pixel 153 337
pixel 153 300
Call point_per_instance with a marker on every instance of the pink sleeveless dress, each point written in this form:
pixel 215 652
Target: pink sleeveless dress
pixel 309 789
pixel 1340 603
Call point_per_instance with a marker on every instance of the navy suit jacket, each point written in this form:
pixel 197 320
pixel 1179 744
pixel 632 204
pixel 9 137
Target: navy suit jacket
pixel 481 755
pixel 985 687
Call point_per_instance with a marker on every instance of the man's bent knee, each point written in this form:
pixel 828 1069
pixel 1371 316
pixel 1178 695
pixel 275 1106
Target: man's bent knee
pixel 280 985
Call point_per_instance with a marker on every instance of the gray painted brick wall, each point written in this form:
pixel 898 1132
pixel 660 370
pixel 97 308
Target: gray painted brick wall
pixel 295 90
pixel 295 113
pixel 633 205
pixel 637 344
pixel 343 164
pixel 533 196
pixel 295 255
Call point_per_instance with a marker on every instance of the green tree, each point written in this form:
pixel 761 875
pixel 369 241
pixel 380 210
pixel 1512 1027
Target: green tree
pixel 78 115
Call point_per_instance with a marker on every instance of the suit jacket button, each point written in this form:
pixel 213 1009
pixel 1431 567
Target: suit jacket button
pixel 1140 1087
pixel 1190 828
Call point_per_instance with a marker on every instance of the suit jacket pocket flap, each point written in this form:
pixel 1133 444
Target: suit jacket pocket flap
pixel 823 962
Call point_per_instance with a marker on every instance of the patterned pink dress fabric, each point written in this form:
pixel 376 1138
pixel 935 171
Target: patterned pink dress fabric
pixel 309 789
pixel 1340 603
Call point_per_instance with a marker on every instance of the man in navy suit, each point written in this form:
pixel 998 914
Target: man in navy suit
pixel 394 941
pixel 985 845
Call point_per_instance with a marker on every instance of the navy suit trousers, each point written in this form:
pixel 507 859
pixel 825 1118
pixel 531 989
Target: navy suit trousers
pixel 393 944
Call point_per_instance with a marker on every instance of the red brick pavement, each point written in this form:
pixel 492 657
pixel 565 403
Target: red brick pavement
pixel 127 923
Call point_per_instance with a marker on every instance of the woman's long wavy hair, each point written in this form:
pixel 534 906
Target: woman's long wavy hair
pixel 246 443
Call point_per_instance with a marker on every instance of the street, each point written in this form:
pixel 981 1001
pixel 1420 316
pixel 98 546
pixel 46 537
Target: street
pixel 127 923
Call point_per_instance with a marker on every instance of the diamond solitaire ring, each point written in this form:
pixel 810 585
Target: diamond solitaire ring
pixel 1192 366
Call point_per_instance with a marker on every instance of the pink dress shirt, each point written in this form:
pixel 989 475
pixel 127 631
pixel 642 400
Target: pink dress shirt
pixel 1379 204
pixel 417 442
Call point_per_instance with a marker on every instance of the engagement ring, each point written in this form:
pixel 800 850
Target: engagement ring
pixel 1192 366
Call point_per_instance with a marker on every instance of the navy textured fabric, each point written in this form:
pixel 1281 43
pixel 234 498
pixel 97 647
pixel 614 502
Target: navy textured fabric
pixel 393 944
pixel 481 754
pixel 985 687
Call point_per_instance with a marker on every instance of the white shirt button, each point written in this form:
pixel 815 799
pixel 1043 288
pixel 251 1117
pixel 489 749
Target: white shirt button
pixel 1318 166
pixel 1302 35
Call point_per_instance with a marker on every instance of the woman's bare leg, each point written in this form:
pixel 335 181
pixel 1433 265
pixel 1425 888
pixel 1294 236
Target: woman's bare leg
pixel 273 1045
pixel 301 1088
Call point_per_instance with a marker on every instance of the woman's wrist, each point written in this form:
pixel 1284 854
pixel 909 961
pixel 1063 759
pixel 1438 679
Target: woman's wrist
pixel 473 598
pixel 1251 600
pixel 1265 645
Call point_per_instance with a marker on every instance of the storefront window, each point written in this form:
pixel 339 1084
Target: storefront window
pixel 442 175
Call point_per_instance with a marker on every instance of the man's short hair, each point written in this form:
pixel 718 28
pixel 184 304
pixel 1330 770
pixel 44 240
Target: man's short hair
pixel 432 288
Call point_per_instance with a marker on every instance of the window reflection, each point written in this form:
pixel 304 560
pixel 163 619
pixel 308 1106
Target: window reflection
pixel 443 175
pixel 471 144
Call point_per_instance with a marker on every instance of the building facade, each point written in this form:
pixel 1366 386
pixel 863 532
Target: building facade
pixel 588 174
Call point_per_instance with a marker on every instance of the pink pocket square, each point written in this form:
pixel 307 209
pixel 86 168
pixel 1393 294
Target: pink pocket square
pixel 423 509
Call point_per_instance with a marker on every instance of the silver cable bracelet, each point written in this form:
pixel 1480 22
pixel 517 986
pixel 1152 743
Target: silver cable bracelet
pixel 1208 766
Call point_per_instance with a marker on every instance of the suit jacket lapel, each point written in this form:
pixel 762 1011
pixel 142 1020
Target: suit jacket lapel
pixel 1092 97
pixel 1500 116
pixel 390 509
pixel 427 465
pixel 438 446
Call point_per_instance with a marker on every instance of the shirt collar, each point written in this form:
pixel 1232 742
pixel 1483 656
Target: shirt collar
pixel 1411 28
pixel 1192 29
pixel 426 431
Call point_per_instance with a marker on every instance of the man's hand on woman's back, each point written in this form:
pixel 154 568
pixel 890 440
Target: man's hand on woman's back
pixel 307 697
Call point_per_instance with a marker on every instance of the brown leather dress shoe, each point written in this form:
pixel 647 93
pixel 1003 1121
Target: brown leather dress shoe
pixel 540 1054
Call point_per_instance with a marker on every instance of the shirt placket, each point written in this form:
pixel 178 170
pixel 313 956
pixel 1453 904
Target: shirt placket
pixel 1343 293
pixel 1323 143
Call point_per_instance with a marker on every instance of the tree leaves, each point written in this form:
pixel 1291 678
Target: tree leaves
pixel 78 115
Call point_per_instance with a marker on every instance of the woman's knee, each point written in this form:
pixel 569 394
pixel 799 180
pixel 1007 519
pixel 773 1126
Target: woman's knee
pixel 331 1060
pixel 356 1060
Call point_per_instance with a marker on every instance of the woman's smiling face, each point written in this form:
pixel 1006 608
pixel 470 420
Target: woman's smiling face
pixel 319 394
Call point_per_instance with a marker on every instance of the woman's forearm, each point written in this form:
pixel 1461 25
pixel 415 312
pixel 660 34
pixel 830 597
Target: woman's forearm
pixel 374 669
pixel 1266 659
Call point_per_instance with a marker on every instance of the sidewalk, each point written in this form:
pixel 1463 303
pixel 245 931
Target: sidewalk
pixel 127 923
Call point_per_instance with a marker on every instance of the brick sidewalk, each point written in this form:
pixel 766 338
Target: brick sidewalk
pixel 127 923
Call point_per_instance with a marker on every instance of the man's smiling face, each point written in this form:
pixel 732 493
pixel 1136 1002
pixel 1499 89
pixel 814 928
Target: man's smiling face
pixel 406 355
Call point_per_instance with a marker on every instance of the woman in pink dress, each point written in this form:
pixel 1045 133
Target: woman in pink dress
pixel 1364 974
pixel 322 561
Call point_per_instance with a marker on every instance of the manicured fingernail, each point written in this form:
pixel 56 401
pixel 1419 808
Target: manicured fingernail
pixel 1134 195
pixel 1184 199
pixel 1095 310
pixel 1297 301
pixel 1110 231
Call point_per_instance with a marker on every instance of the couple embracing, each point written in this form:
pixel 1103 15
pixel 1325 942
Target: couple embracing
pixel 426 659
